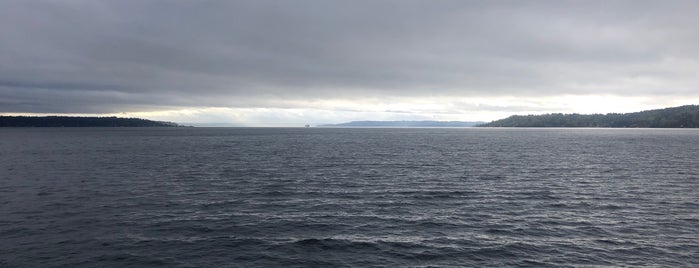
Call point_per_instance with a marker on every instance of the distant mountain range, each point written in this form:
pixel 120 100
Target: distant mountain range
pixel 71 121
pixel 676 117
pixel 404 124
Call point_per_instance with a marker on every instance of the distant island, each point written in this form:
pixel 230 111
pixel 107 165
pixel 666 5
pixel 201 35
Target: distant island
pixel 73 121
pixel 676 117
pixel 404 124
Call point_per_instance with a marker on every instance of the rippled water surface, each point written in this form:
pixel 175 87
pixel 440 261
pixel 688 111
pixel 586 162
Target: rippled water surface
pixel 246 197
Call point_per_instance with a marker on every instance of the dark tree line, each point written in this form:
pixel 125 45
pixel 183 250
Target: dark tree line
pixel 677 117
pixel 70 121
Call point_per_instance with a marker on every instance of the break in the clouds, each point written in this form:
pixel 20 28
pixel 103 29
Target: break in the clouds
pixel 273 62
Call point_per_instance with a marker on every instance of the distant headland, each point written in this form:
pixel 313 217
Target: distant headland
pixel 676 117
pixel 74 121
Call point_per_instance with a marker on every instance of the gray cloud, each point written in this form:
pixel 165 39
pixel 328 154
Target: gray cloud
pixel 109 56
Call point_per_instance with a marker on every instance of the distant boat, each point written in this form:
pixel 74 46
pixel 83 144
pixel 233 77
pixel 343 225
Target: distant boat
pixel 308 125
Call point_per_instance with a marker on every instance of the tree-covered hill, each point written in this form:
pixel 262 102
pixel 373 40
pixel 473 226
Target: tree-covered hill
pixel 677 117
pixel 70 121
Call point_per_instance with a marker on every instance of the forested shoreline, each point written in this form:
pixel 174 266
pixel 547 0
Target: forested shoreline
pixel 676 117
pixel 75 121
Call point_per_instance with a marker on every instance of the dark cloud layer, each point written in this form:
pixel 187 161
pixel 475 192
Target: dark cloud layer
pixel 110 56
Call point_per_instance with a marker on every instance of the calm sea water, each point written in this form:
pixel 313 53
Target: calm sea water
pixel 249 197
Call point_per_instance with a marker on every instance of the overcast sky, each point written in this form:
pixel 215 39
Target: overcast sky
pixel 285 63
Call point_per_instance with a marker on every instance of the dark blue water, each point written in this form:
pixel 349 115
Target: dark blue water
pixel 198 197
